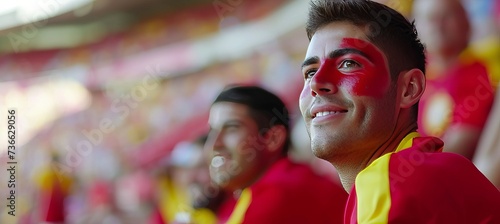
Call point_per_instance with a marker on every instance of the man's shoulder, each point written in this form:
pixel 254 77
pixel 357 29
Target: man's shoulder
pixel 444 183
pixel 288 179
pixel 426 152
pixel 423 167
pixel 438 175
pixel 434 186
pixel 425 160
pixel 287 173
pixel 287 191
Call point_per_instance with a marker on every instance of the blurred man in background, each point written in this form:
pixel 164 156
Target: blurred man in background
pixel 206 198
pixel 53 190
pixel 459 95
pixel 364 75
pixel 186 193
pixel 249 140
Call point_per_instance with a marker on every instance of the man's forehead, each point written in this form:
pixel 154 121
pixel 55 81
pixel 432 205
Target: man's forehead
pixel 223 111
pixel 344 29
pixel 331 36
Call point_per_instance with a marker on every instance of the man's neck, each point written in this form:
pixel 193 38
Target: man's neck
pixel 349 168
pixel 264 168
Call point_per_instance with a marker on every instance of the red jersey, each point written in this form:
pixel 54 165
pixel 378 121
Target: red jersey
pixel 463 95
pixel 53 189
pixel 290 193
pixel 419 184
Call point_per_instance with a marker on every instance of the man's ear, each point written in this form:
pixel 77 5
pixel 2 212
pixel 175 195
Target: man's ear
pixel 275 138
pixel 412 84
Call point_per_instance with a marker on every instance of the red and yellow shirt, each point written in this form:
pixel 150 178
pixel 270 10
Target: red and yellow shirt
pixel 462 96
pixel 53 188
pixel 420 184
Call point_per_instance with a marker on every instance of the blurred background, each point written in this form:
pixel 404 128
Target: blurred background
pixel 105 89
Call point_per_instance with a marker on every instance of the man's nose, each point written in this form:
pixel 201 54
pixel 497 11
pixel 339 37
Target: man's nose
pixel 214 141
pixel 323 82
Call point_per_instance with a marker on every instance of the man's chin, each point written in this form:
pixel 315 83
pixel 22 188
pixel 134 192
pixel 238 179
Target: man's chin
pixel 326 150
pixel 221 180
pixel 322 153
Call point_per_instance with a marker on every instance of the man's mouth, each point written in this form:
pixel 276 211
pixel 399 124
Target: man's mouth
pixel 325 113
pixel 217 161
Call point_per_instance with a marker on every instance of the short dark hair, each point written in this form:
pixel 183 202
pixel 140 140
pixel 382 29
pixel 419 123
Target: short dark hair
pixel 388 30
pixel 266 108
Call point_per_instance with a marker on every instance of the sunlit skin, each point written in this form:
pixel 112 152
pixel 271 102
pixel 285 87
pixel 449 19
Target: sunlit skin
pixel 346 74
pixel 444 28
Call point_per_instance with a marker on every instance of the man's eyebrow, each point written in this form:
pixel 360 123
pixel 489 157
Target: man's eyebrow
pixel 339 52
pixel 310 61
pixel 224 125
pixel 335 54
pixel 232 122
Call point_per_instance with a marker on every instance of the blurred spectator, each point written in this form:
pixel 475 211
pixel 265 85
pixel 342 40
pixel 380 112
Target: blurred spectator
pixel 53 189
pixel 205 195
pixel 486 46
pixel 186 194
pixel 487 157
pixel 458 95
pixel 102 206
pixel 249 139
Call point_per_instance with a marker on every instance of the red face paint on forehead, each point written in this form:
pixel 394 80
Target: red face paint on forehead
pixel 364 46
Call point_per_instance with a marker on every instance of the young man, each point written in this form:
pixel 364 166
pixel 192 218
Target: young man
pixel 364 75
pixel 185 193
pixel 249 139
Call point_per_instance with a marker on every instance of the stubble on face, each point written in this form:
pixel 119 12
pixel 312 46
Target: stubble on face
pixel 366 94
pixel 237 155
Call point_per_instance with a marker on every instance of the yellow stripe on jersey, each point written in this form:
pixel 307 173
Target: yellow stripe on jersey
pixel 372 187
pixel 407 142
pixel 241 207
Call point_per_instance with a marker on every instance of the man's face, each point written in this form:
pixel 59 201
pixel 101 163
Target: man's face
pixel 347 101
pixel 234 141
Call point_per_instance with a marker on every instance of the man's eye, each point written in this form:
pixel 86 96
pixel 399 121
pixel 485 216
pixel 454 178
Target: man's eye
pixel 349 64
pixel 232 127
pixel 309 74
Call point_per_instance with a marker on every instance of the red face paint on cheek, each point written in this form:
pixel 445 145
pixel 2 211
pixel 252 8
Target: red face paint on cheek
pixel 373 79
